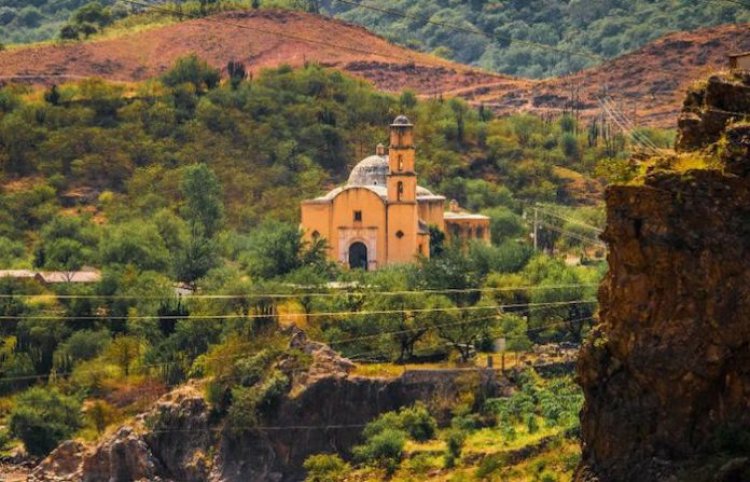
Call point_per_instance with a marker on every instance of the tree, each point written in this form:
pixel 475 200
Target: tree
pixel 237 72
pixel 203 210
pixel 307 281
pixel 135 243
pixel 93 13
pixel 124 351
pixel 191 70
pixel 101 415
pixel 274 249
pixel 201 191
pixel 504 224
pixel 42 418
pixel 465 327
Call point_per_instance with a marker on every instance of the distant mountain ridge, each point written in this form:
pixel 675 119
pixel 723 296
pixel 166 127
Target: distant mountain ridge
pixel 578 33
pixel 580 30
pixel 258 38
pixel 649 83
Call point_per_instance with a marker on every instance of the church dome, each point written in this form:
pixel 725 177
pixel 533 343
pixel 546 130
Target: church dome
pixel 401 120
pixel 370 171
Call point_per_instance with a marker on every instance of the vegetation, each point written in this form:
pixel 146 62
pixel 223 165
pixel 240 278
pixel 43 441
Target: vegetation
pixel 509 32
pixel 187 181
pixel 529 436
pixel 44 418
pixel 507 39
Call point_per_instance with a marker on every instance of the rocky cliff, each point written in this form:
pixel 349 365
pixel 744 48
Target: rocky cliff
pixel 666 375
pixel 181 439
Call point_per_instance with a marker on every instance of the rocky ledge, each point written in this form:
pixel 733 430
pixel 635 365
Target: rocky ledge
pixel 666 375
pixel 181 439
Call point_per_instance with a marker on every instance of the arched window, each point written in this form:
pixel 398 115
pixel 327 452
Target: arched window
pixel 400 162
pixel 315 235
pixel 399 190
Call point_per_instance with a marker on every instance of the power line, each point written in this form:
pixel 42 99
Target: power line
pixel 301 294
pixel 250 344
pixel 622 124
pixel 288 315
pixel 613 110
pixel 571 220
pixel 573 235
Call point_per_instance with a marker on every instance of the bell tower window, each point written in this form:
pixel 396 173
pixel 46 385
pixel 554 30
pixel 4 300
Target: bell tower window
pixel 357 216
pixel 400 162
pixel 399 190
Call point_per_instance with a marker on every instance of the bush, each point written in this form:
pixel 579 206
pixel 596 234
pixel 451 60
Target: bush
pixel 454 441
pixel 325 468
pixel 489 466
pixel 194 71
pixel 384 449
pixel 42 418
pixel 250 402
pixel 101 414
pixel 415 421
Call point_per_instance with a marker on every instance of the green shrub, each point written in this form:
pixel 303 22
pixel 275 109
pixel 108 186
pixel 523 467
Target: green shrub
pixel 325 468
pixel 248 403
pixel 415 421
pixel 489 466
pixel 532 424
pixel 42 418
pixel 454 441
pixel 548 476
pixel 383 449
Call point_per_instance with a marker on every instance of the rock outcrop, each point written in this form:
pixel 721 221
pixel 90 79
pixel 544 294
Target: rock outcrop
pixel 181 439
pixel 666 375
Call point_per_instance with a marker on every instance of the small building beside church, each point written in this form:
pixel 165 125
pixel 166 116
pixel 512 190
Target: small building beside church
pixel 381 216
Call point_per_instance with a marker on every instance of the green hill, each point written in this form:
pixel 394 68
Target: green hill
pixel 508 32
pixel 605 28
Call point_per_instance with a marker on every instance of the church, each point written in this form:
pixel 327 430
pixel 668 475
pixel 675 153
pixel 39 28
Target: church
pixel 382 216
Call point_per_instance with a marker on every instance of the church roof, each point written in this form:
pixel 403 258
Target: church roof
pixel 370 171
pixel 401 120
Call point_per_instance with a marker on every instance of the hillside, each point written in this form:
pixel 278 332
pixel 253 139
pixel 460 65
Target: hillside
pixel 259 39
pixel 496 36
pixel 509 32
pixel 649 84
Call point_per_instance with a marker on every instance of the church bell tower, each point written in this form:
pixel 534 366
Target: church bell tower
pixel 403 220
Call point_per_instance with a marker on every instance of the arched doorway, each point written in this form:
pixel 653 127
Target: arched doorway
pixel 358 256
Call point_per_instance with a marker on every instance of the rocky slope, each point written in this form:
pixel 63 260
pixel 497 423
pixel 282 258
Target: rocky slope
pixel 181 439
pixel 667 375
pixel 647 85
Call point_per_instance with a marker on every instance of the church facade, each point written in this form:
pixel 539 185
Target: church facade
pixel 382 216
